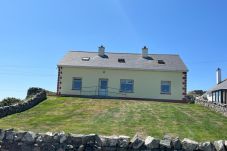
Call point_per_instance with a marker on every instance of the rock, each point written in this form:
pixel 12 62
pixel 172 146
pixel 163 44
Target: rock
pixel 81 148
pixel 2 134
pixel 123 141
pixel 19 135
pixel 88 139
pixel 219 145
pixel 168 137
pixel 189 145
pixel 206 146
pixel 152 143
pixel 29 137
pixel 109 141
pixel 165 143
pixel 47 137
pixel 176 144
pixel 9 135
pixel 136 142
pixel 63 138
pixel 75 139
pixel 69 147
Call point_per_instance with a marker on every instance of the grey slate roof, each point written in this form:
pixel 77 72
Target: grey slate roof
pixel 220 86
pixel 132 61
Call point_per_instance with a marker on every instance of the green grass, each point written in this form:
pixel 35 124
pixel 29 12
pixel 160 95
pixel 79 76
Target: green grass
pixel 120 117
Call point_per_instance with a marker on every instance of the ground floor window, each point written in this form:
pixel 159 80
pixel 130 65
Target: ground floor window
pixel 165 87
pixel 77 84
pixel 126 85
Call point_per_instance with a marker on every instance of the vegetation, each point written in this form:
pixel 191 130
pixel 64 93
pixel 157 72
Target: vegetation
pixel 191 96
pixel 10 101
pixel 120 117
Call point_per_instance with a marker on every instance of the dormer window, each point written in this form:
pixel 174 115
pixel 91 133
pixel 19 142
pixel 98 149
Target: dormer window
pixel 161 62
pixel 85 58
pixel 121 60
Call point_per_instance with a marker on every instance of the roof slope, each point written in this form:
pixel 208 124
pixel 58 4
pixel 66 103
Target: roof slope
pixel 220 86
pixel 132 61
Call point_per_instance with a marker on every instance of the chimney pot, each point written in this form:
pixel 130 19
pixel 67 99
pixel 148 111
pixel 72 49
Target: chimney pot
pixel 218 76
pixel 101 51
pixel 144 52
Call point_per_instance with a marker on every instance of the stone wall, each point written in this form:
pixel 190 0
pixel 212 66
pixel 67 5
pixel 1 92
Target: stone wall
pixel 217 107
pixel 30 141
pixel 31 101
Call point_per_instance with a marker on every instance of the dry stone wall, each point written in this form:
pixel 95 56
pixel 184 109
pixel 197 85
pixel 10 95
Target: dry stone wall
pixel 217 107
pixel 30 141
pixel 36 95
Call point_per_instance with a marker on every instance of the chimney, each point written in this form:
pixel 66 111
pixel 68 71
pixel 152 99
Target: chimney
pixel 218 76
pixel 101 51
pixel 144 52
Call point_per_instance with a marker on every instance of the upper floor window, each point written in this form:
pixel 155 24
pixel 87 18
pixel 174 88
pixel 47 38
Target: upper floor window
pixel 126 85
pixel 77 84
pixel 165 87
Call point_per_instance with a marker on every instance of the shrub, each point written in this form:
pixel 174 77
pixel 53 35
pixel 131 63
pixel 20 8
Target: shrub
pixel 10 101
pixel 33 91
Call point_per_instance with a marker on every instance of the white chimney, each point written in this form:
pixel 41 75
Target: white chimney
pixel 144 52
pixel 218 76
pixel 101 51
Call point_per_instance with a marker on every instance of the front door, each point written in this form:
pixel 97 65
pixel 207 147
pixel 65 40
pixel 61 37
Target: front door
pixel 103 87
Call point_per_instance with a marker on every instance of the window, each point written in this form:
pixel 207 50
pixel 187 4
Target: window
pixel 126 86
pixel 165 87
pixel 85 58
pixel 161 62
pixel 121 60
pixel 77 83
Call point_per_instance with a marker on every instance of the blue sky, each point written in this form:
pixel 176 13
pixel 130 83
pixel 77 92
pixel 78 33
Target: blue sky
pixel 35 34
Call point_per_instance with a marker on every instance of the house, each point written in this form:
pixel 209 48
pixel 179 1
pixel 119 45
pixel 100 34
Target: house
pixel 218 93
pixel 128 75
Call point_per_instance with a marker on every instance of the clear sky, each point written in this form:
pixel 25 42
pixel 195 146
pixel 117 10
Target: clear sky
pixel 35 34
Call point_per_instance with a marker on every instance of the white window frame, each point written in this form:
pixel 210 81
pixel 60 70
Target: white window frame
pixel 164 83
pixel 74 79
pixel 125 80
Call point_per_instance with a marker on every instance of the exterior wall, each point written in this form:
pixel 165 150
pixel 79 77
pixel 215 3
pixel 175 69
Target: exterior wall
pixel 147 84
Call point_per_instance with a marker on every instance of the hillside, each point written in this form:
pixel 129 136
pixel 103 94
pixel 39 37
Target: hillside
pixel 126 117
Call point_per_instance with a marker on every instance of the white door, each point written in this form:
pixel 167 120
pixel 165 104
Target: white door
pixel 103 87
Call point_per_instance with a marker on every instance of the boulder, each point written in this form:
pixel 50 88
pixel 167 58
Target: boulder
pixel 2 134
pixel 176 144
pixel 136 142
pixel 88 139
pixel 151 142
pixel 62 138
pixel 219 145
pixel 206 146
pixel 19 135
pixel 81 148
pixel 123 141
pixel 109 141
pixel 75 139
pixel 165 144
pixel 29 137
pixel 9 135
pixel 189 145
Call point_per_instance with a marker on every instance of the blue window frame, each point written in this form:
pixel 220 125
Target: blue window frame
pixel 165 87
pixel 126 85
pixel 77 84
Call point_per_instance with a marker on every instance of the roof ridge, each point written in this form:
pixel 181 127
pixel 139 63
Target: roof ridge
pixel 121 53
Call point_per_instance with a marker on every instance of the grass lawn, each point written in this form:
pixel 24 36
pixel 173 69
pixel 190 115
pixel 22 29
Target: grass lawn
pixel 124 117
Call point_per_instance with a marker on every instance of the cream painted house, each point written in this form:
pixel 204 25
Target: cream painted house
pixel 128 75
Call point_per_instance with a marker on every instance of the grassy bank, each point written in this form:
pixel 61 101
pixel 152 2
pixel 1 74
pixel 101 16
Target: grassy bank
pixel 108 117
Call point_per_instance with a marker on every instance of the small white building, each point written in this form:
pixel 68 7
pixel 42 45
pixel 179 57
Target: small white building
pixel 218 93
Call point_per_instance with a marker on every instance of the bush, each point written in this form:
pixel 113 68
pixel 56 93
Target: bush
pixel 33 91
pixel 10 101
